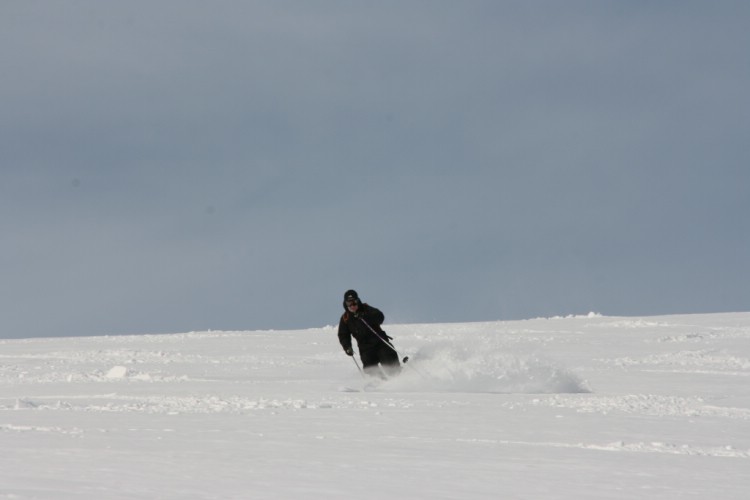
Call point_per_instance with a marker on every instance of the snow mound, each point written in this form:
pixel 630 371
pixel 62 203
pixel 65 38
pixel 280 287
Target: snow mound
pixel 117 372
pixel 454 368
pixel 591 314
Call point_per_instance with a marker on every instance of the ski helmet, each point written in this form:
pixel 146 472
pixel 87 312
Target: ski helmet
pixel 351 296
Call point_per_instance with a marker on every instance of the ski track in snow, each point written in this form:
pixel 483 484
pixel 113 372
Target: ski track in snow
pixel 645 404
pixel 621 446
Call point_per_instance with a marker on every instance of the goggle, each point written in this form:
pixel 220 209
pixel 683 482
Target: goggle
pixel 351 302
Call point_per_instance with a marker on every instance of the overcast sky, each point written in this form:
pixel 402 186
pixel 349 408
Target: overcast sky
pixel 170 166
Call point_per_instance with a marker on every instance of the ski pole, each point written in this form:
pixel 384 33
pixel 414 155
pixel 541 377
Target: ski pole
pixel 358 367
pixel 378 335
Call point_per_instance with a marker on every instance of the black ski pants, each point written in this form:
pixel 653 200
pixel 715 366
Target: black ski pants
pixel 380 354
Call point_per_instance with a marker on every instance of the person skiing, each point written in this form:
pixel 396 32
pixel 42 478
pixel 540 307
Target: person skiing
pixel 362 321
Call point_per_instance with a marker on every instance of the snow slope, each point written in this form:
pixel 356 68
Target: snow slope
pixel 562 408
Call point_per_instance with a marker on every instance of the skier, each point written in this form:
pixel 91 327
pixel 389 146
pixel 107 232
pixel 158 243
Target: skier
pixel 362 322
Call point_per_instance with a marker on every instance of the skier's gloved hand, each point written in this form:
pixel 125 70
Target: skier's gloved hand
pixel 349 351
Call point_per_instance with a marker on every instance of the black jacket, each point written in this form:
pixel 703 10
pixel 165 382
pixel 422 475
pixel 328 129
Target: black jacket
pixel 353 325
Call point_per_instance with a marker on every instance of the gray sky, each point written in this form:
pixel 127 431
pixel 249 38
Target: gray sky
pixel 182 165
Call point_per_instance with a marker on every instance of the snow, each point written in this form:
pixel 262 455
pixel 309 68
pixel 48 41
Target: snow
pixel 575 407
